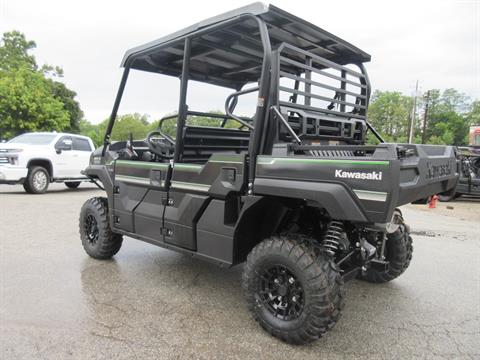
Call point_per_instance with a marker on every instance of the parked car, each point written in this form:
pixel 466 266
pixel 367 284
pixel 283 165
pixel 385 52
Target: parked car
pixel 37 159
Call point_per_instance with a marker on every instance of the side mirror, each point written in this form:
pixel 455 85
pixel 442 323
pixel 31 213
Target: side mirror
pixel 65 144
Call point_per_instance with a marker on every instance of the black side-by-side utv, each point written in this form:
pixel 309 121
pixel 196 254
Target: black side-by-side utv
pixel 293 190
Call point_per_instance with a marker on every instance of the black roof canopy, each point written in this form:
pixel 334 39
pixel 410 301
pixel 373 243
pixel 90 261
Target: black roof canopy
pixel 226 50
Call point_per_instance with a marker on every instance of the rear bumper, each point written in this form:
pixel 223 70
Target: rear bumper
pixel 12 174
pixel 429 170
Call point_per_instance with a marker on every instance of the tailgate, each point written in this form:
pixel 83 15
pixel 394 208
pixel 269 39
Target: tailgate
pixel 425 170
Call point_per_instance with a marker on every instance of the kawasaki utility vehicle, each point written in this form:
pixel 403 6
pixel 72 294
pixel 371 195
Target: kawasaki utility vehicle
pixel 293 190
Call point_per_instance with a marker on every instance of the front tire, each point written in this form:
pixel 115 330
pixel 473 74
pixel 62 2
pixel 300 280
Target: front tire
pixel 37 180
pixel 294 291
pixel 72 184
pixel 98 240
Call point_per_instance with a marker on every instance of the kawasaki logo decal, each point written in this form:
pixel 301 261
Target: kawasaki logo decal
pixel 359 175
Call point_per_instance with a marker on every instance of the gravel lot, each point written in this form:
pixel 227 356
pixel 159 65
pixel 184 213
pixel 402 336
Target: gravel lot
pixel 57 303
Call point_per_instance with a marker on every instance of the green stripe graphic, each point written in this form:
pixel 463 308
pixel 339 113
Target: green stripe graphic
pixel 271 161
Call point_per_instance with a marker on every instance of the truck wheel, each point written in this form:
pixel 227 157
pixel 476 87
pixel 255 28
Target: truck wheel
pixel 294 291
pixel 72 184
pixel 98 240
pixel 37 180
pixel 398 251
pixel 447 196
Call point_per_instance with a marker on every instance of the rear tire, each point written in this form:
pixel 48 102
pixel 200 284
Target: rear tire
pixel 72 184
pixel 98 240
pixel 293 290
pixel 37 180
pixel 398 252
pixel 447 196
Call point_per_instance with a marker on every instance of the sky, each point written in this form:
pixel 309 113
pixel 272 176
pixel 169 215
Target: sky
pixel 434 42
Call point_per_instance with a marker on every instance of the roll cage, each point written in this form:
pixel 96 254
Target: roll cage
pixel 263 44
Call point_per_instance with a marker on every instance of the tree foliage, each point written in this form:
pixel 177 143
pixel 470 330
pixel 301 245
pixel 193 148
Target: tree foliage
pixel 447 121
pixel 14 48
pixel 67 97
pixel 27 104
pixel 388 113
pixel 449 115
pixel 31 99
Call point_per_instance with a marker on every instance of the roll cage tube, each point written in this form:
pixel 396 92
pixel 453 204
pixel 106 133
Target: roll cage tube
pixel 182 104
pixel 367 80
pixel 116 105
pixel 229 108
pixel 264 84
pixel 262 108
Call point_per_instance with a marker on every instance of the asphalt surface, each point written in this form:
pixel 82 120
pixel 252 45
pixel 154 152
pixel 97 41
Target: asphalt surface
pixel 57 303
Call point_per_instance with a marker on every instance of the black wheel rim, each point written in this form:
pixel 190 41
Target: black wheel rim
pixel 91 229
pixel 281 292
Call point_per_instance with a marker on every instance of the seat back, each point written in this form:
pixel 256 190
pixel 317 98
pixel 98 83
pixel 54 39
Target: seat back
pixel 201 142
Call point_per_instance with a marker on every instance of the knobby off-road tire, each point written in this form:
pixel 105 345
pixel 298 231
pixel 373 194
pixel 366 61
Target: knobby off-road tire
pixel 398 251
pixel 37 180
pixel 98 240
pixel 72 184
pixel 308 274
pixel 447 196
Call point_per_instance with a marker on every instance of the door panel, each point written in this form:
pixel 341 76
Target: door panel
pixel 148 216
pixel 180 218
pixel 140 197
pixel 65 159
pixel 81 153
pixel 193 186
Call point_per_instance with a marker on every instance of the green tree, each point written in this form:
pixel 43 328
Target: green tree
pixel 136 124
pixel 473 116
pixel 27 104
pixel 388 113
pixel 16 61
pixel 447 120
pixel 14 48
pixel 67 97
pixel 92 131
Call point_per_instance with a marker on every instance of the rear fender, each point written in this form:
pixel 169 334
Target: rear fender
pixel 333 197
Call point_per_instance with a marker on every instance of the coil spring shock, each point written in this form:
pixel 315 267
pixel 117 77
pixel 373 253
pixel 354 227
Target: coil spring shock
pixel 331 242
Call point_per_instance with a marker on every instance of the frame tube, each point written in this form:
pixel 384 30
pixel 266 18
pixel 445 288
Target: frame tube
pixel 116 105
pixel 182 106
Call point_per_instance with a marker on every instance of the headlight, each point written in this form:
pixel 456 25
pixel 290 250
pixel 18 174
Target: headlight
pixel 13 160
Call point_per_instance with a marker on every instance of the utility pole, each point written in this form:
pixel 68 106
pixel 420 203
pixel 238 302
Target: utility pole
pixel 425 117
pixel 412 120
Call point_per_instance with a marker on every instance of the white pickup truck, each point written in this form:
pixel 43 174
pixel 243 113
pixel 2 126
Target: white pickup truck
pixel 37 159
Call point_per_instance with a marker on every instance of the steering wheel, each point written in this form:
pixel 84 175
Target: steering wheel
pixel 160 144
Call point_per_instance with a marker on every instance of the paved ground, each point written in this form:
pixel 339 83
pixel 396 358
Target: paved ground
pixel 56 303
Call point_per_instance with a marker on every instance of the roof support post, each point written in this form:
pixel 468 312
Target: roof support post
pixel 116 105
pixel 366 92
pixel 182 106
pixel 262 101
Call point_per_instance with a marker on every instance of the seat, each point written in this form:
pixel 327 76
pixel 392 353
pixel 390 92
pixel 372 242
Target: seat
pixel 201 142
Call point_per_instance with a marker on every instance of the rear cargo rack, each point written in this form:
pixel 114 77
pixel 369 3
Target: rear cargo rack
pixel 335 97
